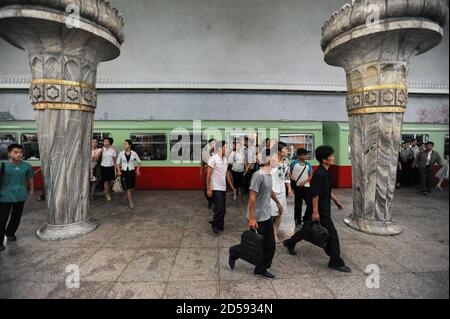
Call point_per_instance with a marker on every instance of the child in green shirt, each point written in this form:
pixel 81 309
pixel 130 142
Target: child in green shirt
pixel 13 192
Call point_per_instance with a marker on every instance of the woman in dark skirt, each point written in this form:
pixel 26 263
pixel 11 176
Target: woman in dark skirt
pixel 107 166
pixel 128 166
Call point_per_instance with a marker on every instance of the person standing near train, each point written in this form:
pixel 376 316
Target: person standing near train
pixel 249 160
pixel 236 161
pixel 207 152
pixel 108 165
pixel 13 192
pixel 95 156
pixel 301 175
pixel 425 162
pixel 128 166
pixel 281 184
pixel 217 179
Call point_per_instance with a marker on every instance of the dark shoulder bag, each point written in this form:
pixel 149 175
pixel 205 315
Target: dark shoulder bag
pixel 299 176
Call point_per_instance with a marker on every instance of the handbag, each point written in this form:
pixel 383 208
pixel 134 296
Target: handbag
pixel 315 233
pixel 117 186
pixel 252 247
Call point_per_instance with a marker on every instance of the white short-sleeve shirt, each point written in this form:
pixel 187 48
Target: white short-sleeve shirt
pixel 219 172
pixel 108 157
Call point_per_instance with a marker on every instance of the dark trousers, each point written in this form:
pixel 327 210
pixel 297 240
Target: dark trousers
pixel 426 178
pixel 406 177
pixel 220 202
pixel 247 181
pixel 332 249
pixel 238 177
pixel 266 230
pixel 205 190
pixel 301 194
pixel 14 210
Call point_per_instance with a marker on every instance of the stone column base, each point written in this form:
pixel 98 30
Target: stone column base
pixel 69 231
pixel 373 227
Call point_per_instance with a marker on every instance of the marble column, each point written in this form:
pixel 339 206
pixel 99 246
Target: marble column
pixel 65 41
pixel 373 40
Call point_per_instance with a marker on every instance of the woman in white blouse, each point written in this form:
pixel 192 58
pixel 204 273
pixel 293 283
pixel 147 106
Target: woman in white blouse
pixel 128 166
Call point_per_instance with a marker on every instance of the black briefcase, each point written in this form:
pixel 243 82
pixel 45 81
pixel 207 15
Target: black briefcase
pixel 252 247
pixel 316 234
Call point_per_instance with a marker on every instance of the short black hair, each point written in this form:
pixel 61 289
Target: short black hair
pixel 281 145
pixel 429 143
pixel 13 146
pixel 220 144
pixel 110 139
pixel 301 152
pixel 211 140
pixel 129 142
pixel 323 152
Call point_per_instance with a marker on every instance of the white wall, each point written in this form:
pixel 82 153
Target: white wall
pixel 236 44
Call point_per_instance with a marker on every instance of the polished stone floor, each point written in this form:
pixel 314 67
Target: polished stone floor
pixel 164 249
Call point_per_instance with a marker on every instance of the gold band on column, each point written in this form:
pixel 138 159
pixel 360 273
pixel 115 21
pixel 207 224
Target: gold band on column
pixel 64 106
pixel 377 109
pixel 378 88
pixel 63 82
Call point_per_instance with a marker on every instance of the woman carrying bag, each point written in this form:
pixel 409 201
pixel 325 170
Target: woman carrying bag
pixel 128 166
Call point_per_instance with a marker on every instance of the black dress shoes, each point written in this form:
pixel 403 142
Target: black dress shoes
pixel 290 249
pixel 343 268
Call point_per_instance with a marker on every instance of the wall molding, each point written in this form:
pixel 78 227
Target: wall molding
pixel 23 82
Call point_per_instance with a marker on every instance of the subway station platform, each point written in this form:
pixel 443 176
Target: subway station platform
pixel 164 249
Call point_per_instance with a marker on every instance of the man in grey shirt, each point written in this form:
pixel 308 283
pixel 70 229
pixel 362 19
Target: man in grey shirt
pixel 259 215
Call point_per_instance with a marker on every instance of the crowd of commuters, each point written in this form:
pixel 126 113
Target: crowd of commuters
pixel 416 162
pixel 269 176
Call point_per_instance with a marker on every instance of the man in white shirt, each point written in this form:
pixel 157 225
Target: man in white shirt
pixel 217 179
pixel 301 175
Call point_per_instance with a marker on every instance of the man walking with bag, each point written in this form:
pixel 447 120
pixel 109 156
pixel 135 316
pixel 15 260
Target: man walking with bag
pixel 322 195
pixel 260 216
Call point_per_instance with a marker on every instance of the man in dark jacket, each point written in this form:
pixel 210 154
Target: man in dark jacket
pixel 322 195
pixel 425 161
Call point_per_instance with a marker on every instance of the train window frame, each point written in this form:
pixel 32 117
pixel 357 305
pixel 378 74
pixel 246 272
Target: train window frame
pixel 24 146
pixel 424 137
pixel 172 142
pixel 100 141
pixel 313 136
pixel 15 135
pixel 143 158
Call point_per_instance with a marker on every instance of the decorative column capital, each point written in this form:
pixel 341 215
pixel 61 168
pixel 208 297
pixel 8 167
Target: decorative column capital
pixel 373 40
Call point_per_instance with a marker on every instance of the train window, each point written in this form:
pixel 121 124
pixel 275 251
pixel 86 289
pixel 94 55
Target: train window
pixel 446 146
pixel 100 137
pixel 296 141
pixel 150 146
pixel 30 146
pixel 184 147
pixel 419 137
pixel 6 139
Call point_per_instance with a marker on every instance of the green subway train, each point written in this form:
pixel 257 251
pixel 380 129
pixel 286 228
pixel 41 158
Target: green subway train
pixel 171 150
